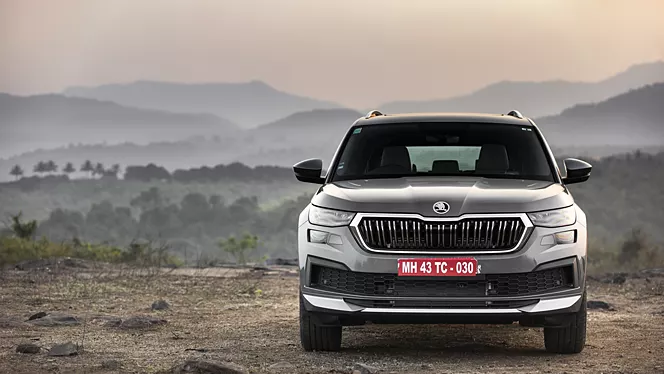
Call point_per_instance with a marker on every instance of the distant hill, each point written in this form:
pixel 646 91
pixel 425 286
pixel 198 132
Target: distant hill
pixel 635 118
pixel 308 134
pixel 536 99
pixel 632 120
pixel 247 104
pixel 48 121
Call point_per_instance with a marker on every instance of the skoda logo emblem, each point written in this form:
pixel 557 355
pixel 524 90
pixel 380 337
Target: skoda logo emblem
pixel 441 207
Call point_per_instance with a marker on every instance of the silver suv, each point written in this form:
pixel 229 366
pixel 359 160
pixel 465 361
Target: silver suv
pixel 443 218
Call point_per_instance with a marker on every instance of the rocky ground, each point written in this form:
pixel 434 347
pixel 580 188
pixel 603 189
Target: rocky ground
pixel 81 320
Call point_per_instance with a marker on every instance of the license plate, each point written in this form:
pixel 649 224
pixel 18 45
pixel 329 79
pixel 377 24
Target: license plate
pixel 437 267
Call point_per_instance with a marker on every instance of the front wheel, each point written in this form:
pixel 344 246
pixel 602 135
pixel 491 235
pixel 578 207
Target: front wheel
pixel 317 337
pixel 570 339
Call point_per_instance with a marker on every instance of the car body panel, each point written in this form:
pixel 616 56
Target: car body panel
pixel 465 195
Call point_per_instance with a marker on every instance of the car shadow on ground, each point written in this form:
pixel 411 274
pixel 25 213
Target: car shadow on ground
pixel 437 340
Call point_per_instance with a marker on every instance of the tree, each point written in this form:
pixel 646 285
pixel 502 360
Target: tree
pixel 87 167
pixel 69 168
pixel 16 171
pixel 99 169
pixel 40 167
pixel 113 171
pixel 23 230
pixel 50 166
pixel 239 249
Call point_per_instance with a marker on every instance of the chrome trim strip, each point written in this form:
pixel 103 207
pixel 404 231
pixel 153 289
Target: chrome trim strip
pixel 358 236
pixel 340 305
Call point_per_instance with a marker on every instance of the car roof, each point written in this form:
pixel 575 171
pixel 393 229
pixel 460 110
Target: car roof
pixel 442 117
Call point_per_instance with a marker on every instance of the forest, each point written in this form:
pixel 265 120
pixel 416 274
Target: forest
pixel 190 211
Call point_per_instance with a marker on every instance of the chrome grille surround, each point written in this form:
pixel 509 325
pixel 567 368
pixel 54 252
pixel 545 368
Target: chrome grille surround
pixel 414 229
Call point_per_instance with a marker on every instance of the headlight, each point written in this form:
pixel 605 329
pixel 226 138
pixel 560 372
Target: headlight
pixel 554 218
pixel 329 217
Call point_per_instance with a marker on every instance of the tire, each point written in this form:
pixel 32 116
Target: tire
pixel 316 337
pixel 570 339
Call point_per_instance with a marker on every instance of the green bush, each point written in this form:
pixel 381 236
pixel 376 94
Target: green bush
pixel 15 249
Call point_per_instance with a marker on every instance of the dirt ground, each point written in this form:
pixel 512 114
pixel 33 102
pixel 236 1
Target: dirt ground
pixel 251 319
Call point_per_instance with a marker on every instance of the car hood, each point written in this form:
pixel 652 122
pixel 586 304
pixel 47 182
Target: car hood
pixel 463 194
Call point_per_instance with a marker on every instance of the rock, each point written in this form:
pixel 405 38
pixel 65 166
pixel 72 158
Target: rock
pixel 28 348
pixel 595 304
pixel 138 322
pixel 37 315
pixel 67 349
pixel 111 364
pixel 360 368
pixel 105 319
pixel 614 278
pixel 206 367
pixel 55 320
pixel 160 305
pixel 282 365
pixel 653 272
pixel 283 261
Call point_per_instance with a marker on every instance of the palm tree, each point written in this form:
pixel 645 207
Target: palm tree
pixel 16 171
pixel 88 168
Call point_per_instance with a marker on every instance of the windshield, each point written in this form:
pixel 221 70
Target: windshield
pixel 442 149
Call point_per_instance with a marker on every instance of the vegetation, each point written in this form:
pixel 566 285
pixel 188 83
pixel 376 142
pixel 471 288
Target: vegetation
pixel 199 211
pixel 239 248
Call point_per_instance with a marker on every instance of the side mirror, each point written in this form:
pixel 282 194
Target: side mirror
pixel 309 171
pixel 577 171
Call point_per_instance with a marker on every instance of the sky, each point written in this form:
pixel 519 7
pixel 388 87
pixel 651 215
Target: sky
pixel 356 52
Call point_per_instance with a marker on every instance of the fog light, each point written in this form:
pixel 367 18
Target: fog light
pixel 565 237
pixel 548 240
pixel 334 239
pixel 316 236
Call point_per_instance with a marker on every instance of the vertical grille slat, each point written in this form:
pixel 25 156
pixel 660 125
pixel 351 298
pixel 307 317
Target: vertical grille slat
pixel 413 234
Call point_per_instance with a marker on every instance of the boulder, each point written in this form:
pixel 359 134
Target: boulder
pixel 67 349
pixel 28 348
pixel 206 367
pixel 361 368
pixel 596 304
pixel 137 322
pixel 160 305
pixel 50 320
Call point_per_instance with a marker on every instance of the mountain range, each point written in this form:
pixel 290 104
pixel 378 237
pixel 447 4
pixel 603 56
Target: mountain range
pixel 632 120
pixel 115 133
pixel 246 104
pixel 48 121
pixel 536 99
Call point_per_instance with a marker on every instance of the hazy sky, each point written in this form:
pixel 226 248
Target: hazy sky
pixel 356 52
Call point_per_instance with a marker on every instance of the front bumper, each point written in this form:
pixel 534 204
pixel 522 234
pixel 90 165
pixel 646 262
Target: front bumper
pixel 534 253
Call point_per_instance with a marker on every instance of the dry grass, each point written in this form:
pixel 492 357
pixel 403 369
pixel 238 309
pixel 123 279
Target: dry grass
pixel 252 320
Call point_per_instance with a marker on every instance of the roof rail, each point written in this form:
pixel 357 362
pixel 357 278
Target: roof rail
pixel 515 113
pixel 373 113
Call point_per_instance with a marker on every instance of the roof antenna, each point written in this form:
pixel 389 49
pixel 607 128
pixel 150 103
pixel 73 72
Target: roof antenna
pixel 515 113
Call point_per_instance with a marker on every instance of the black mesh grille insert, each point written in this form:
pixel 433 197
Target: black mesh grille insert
pixel 441 304
pixel 375 284
pixel 411 234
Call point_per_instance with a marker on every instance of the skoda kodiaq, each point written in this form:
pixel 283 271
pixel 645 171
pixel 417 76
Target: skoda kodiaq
pixel 443 218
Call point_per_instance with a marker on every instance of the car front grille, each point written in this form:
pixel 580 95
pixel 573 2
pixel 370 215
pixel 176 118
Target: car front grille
pixel 417 235
pixel 379 284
